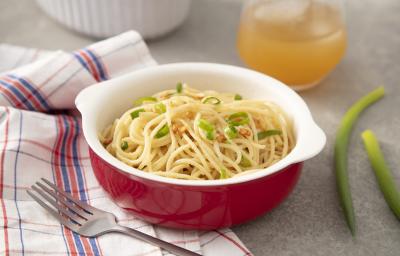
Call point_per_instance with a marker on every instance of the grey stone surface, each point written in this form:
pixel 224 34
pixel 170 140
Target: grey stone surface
pixel 310 221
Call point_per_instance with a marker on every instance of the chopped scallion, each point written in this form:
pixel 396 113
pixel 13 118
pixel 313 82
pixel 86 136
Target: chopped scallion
pixel 244 162
pixel 263 134
pixel 211 100
pixel 179 87
pixel 160 108
pixel 238 97
pixel 162 132
pixel 140 101
pixel 222 174
pixel 207 127
pixel 124 145
pixel 210 135
pixel 231 132
pixel 135 114
pixel 239 118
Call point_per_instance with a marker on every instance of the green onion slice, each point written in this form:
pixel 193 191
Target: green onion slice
pixel 162 132
pixel 124 145
pixel 135 114
pixel 239 118
pixel 160 108
pixel 211 100
pixel 179 87
pixel 222 174
pixel 263 134
pixel 244 162
pixel 140 101
pixel 207 127
pixel 210 135
pixel 238 97
pixel 231 132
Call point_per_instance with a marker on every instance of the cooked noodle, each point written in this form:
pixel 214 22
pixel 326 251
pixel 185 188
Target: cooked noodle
pixel 189 134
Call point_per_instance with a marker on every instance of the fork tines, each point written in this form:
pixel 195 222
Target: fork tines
pixel 69 211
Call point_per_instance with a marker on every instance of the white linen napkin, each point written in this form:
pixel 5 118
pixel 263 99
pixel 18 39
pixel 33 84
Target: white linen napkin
pixel 38 138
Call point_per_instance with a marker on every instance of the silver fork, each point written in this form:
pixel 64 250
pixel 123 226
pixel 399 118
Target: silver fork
pixel 89 221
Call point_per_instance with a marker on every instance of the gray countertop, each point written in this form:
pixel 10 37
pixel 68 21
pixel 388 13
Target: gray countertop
pixel 310 221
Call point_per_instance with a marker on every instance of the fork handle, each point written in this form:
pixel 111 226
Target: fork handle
pixel 179 251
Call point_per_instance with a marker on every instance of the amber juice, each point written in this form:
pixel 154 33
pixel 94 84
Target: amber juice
pixel 298 44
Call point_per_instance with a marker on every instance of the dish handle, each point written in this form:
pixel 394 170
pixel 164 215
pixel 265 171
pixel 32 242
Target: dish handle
pixel 86 97
pixel 311 143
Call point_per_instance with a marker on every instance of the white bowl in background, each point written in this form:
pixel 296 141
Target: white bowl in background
pixel 105 18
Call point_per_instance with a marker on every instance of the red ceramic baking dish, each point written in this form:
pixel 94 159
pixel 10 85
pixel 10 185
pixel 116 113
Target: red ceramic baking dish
pixel 195 204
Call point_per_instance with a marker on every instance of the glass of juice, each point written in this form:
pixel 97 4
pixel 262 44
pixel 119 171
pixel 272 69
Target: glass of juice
pixel 296 41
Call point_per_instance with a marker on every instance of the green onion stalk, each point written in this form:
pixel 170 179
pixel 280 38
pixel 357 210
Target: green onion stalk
pixel 382 172
pixel 341 148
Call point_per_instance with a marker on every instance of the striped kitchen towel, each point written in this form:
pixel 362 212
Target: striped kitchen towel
pixel 40 136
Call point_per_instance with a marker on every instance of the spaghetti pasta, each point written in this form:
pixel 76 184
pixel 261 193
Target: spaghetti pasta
pixel 200 135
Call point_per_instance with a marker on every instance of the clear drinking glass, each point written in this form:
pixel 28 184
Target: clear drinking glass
pixel 296 41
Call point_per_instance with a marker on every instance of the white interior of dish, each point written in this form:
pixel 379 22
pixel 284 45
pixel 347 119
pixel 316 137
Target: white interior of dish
pixel 102 103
